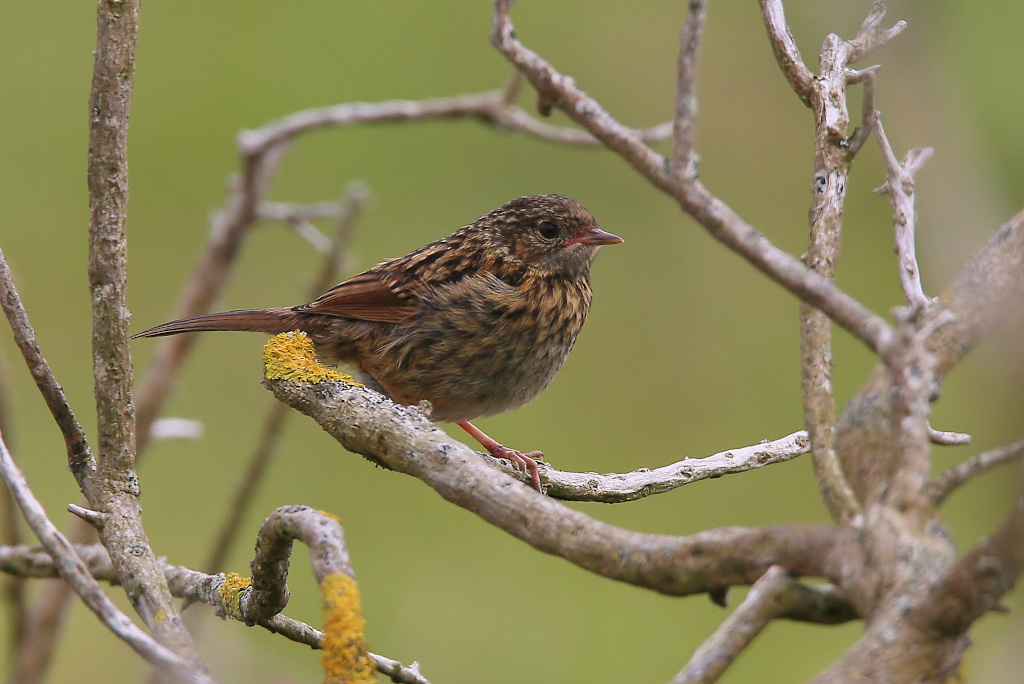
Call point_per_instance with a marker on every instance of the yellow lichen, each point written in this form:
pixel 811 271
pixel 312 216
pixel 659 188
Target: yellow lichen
pixel 159 616
pixel 344 658
pixel 231 593
pixel 290 356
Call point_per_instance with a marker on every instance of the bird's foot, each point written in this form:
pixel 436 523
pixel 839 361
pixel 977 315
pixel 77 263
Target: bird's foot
pixel 525 462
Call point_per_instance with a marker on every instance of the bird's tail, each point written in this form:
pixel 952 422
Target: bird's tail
pixel 272 321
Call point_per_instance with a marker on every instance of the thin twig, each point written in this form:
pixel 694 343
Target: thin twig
pixel 943 438
pixel 761 606
pixel 899 184
pixel 621 487
pixel 959 475
pixel 75 441
pixel 871 35
pixel 76 574
pixel 492 107
pixel 684 154
pixel 194 586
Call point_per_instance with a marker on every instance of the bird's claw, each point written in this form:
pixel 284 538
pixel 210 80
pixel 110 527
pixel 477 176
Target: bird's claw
pixel 524 462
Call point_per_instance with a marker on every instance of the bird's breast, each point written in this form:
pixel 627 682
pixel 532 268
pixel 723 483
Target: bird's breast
pixel 485 347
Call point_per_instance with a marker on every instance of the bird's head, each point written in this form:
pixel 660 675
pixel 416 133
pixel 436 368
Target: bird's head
pixel 551 233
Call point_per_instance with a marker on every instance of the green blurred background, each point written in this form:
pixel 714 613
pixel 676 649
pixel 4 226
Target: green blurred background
pixel 688 351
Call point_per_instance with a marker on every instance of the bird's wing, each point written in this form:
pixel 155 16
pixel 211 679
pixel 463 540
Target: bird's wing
pixel 366 297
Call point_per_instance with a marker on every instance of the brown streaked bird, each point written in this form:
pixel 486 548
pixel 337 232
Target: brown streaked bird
pixel 477 323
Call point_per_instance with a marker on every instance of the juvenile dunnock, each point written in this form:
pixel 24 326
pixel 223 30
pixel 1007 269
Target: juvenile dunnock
pixel 477 323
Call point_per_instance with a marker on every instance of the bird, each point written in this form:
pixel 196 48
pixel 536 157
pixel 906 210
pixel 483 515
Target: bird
pixel 477 323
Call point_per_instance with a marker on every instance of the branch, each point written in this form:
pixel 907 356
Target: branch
pixel 980 579
pixel 714 215
pixel 193 586
pixel 942 438
pixel 71 568
pixel 79 454
pixel 787 54
pixel 618 488
pixel 763 604
pixel 872 36
pixel 402 439
pixel 494 107
pixel 899 184
pixel 959 475
pixel 112 487
pixel 684 155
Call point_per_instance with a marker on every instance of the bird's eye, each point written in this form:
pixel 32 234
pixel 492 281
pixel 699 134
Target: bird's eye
pixel 547 230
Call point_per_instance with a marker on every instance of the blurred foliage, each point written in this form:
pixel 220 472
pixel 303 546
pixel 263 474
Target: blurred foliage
pixel 688 350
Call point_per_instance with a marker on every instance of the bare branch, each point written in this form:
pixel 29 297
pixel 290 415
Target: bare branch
pixel 872 36
pixel 977 583
pixel 112 487
pixel 401 438
pixel 684 155
pixel 193 586
pixel 328 554
pixel 492 107
pixel 762 605
pixel 959 475
pixel 713 214
pixel 899 185
pixel 77 575
pixel 868 111
pixel 79 454
pixel 786 52
pixel 617 488
pixel 948 438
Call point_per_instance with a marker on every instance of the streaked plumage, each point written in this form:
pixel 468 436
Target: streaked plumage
pixel 476 323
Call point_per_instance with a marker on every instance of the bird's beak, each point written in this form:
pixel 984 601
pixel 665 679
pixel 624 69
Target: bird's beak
pixel 594 238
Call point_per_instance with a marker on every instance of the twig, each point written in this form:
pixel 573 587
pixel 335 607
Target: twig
pixel 191 585
pixel 710 212
pixel 328 555
pixel 948 438
pixel 351 206
pixel 762 605
pixel 621 487
pixel 962 473
pixel 79 455
pixel 493 107
pixel 75 573
pixel 899 185
pixel 787 54
pixel 684 155
pixel 872 36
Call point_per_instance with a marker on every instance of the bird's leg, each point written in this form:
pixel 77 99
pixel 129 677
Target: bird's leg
pixel 523 461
